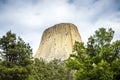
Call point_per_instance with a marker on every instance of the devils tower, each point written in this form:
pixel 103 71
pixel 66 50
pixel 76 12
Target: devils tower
pixel 57 42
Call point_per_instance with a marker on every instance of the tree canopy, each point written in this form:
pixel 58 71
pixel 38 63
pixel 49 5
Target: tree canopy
pixel 99 59
pixel 15 57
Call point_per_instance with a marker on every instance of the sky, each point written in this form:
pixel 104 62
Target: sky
pixel 29 18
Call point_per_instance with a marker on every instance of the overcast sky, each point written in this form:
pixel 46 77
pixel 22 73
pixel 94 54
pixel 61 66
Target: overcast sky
pixel 29 18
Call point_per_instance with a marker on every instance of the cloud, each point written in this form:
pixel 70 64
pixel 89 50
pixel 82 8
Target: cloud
pixel 29 18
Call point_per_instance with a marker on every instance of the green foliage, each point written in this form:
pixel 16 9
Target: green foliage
pixel 15 57
pixel 16 63
pixel 15 73
pixel 15 50
pixel 54 70
pixel 99 60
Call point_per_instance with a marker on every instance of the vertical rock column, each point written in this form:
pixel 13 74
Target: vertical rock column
pixel 57 42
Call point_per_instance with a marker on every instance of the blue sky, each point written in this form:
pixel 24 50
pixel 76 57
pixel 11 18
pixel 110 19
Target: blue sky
pixel 29 18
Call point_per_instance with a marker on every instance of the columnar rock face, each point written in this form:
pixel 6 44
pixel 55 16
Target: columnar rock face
pixel 57 42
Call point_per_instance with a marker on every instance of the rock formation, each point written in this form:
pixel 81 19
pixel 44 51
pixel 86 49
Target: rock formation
pixel 57 42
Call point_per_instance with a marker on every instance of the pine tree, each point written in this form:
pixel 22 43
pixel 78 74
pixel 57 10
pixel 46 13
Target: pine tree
pixel 15 57
pixel 99 60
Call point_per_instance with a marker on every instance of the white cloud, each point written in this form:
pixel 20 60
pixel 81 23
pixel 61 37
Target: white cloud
pixel 29 18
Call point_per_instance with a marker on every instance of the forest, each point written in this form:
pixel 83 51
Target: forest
pixel 98 59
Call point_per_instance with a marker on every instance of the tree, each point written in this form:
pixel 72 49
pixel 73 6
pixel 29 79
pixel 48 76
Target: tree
pixel 15 54
pixel 99 60
pixel 16 63
pixel 53 70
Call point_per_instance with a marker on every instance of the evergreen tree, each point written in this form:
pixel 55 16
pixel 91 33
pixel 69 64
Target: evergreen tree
pixel 99 60
pixel 15 57
pixel 53 70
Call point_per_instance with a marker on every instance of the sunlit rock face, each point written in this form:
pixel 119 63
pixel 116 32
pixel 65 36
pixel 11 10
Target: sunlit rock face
pixel 57 42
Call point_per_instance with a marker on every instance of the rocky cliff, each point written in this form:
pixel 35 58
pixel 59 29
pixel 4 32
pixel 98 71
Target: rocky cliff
pixel 57 42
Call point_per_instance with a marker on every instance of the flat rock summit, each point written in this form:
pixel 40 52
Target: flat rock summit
pixel 57 42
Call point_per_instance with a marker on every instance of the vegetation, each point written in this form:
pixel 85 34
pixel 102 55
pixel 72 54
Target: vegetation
pixel 17 64
pixel 15 57
pixel 54 70
pixel 98 60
